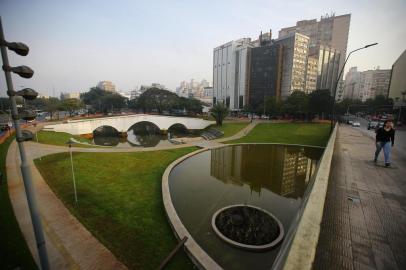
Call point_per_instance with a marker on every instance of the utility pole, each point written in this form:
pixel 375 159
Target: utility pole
pixel 21 136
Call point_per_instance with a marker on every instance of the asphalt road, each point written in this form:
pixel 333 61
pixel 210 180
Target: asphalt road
pixel 400 139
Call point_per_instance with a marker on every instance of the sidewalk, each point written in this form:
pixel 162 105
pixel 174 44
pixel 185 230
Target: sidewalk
pixel 364 219
pixel 69 244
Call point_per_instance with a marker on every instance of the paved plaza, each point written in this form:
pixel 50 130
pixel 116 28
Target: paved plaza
pixel 364 220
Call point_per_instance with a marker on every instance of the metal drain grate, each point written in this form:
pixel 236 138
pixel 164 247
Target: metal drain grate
pixel 353 199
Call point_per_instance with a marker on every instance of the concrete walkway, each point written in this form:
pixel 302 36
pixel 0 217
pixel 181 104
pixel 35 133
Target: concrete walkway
pixel 70 245
pixel 364 220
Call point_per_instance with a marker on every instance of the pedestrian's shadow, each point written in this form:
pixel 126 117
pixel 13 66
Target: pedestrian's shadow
pixel 381 164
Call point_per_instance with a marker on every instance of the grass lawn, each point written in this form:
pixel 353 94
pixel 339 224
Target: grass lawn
pixel 14 253
pixel 120 202
pixel 231 128
pixel 290 133
pixel 60 138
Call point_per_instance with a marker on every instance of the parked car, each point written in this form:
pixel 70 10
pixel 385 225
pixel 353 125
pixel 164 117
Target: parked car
pixel 356 124
pixel 380 124
pixel 372 125
pixel 350 122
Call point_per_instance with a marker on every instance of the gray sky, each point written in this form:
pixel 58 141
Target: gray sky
pixel 75 44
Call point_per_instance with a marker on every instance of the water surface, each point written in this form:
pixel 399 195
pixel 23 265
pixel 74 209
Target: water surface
pixel 273 177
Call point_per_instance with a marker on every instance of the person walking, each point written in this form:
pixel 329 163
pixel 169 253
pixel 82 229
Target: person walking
pixel 385 138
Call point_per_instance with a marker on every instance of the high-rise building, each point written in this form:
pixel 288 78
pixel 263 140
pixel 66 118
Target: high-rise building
pixel 106 86
pixel 352 84
pixel 367 84
pixel 193 89
pixel 230 68
pixel 330 31
pixel 327 66
pixel 398 79
pixel 311 74
pixel 295 54
pixel 265 76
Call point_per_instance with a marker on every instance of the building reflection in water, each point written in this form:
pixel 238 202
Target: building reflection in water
pixel 284 170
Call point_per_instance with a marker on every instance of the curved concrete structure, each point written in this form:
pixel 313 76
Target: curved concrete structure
pixel 123 123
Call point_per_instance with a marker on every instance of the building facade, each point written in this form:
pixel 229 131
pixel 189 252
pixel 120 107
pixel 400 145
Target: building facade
pixel 366 84
pixel 398 79
pixel 230 68
pixel 295 54
pixel 265 75
pixel 106 86
pixel 193 89
pixel 311 74
pixel 352 84
pixel 327 66
pixel 70 95
pixel 329 31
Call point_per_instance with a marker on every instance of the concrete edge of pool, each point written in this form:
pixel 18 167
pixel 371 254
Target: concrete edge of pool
pixel 199 257
pixel 302 251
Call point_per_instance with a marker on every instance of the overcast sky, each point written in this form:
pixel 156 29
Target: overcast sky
pixel 75 44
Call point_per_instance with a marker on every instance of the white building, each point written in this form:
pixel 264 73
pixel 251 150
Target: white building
pixel 70 95
pixel 106 86
pixel 192 89
pixel 367 84
pixel 230 68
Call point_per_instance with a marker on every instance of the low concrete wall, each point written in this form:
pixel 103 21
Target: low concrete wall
pixel 301 252
pixel 195 252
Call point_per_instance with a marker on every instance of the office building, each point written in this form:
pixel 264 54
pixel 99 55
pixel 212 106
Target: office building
pixel 327 66
pixel 230 68
pixel 330 30
pixel 70 95
pixel 106 86
pixel 311 74
pixel 352 84
pixel 193 89
pixel 398 79
pixel 366 84
pixel 295 54
pixel 265 76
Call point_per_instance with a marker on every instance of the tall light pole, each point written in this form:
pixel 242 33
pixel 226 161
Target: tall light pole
pixel 69 143
pixel 21 136
pixel 338 79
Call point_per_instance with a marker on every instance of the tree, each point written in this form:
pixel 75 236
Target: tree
pixel 52 105
pixel 102 100
pixel 191 105
pixel 71 105
pixel 296 104
pixel 320 102
pixel 155 99
pixel 113 101
pixel 273 106
pixel 219 112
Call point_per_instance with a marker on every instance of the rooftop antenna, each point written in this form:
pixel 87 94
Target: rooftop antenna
pixel 260 39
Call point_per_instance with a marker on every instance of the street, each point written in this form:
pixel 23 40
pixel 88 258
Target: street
pixel 399 150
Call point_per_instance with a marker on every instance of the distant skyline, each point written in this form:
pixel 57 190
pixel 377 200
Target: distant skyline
pixel 75 44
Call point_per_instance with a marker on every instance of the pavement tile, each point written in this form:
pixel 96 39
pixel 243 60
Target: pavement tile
pixel 368 231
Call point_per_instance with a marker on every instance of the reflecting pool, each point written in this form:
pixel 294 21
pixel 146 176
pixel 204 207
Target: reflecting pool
pixel 272 177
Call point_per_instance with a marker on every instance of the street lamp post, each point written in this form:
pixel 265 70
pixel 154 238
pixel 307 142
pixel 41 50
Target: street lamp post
pixel 338 79
pixel 70 143
pixel 24 135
